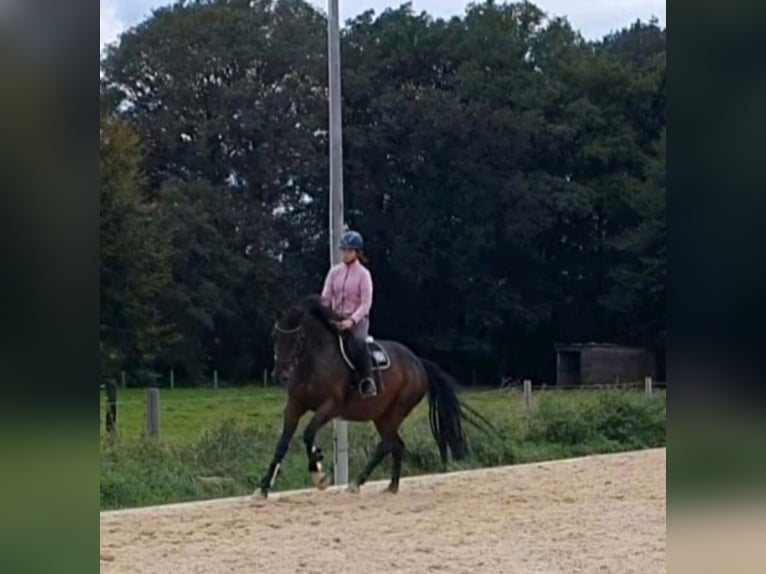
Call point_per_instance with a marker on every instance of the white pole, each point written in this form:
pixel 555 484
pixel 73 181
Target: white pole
pixel 336 200
pixel 648 386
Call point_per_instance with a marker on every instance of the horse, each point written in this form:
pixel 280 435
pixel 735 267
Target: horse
pixel 310 361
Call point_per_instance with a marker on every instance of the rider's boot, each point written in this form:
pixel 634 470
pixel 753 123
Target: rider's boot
pixel 367 386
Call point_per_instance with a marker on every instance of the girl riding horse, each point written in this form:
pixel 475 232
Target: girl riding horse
pixel 348 291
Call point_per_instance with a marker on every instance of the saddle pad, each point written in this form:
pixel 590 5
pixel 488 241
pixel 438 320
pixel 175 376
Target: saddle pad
pixel 378 355
pixel 380 359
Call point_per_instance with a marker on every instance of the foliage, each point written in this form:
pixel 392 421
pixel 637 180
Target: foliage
pixel 507 173
pixel 135 255
pixel 217 443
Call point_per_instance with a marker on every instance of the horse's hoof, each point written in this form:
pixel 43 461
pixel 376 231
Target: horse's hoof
pixel 391 489
pixel 260 494
pixel 320 480
pixel 353 488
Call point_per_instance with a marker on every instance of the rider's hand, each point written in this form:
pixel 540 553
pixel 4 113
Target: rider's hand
pixel 346 324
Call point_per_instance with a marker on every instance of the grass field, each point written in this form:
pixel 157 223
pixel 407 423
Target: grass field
pixel 219 442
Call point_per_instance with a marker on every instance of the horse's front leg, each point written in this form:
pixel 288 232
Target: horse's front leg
pixel 322 416
pixel 292 415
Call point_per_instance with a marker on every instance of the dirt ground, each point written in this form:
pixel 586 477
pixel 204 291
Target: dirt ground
pixel 602 514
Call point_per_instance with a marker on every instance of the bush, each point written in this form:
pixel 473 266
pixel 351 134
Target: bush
pixel 229 457
pixel 611 420
pixel 561 422
pixel 630 420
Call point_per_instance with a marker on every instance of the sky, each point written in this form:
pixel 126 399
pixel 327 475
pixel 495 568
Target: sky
pixel 593 18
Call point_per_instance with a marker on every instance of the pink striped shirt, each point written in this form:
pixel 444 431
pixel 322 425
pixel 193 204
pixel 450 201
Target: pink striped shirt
pixel 348 291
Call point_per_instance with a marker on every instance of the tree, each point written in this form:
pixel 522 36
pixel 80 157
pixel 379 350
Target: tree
pixel 507 174
pixel 233 112
pixel 135 255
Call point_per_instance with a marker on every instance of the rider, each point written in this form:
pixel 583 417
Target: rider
pixel 348 291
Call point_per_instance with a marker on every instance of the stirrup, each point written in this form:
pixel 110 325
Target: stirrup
pixel 372 386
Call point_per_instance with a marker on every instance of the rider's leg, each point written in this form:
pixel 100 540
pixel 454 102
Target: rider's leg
pixel 362 359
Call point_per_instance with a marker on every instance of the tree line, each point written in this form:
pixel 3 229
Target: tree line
pixel 508 176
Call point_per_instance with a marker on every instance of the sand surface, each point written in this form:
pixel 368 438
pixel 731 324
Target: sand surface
pixel 602 514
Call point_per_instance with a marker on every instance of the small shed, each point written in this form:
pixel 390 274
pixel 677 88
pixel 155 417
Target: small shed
pixel 601 363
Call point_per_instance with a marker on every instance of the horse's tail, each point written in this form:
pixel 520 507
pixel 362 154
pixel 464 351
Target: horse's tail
pixel 446 413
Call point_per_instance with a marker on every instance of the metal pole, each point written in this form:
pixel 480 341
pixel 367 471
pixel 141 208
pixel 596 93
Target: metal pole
pixel 336 200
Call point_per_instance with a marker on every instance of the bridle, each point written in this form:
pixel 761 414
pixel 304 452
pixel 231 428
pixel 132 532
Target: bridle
pixel 298 356
pixel 284 331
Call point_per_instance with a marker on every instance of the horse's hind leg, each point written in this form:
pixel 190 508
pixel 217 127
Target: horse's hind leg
pixel 383 448
pixel 390 442
pixel 397 455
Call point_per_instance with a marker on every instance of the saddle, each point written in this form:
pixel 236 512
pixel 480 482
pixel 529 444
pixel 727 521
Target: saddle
pixel 379 357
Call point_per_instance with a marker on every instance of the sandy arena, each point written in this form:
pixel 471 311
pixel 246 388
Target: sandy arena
pixel 601 514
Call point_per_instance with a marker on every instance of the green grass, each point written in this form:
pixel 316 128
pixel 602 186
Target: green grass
pixel 186 413
pixel 231 433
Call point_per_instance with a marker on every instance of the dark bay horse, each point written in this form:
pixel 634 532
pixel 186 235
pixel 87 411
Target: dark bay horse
pixel 309 362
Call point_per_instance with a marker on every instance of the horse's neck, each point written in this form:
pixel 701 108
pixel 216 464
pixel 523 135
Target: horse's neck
pixel 322 351
pixel 317 335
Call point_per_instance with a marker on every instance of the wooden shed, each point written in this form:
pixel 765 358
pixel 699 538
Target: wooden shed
pixel 601 363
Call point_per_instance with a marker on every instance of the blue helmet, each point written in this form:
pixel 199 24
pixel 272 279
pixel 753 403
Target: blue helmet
pixel 352 240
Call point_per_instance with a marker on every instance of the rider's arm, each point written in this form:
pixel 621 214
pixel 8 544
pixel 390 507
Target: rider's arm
pixel 327 289
pixel 366 298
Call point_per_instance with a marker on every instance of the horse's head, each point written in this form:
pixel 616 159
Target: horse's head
pixel 297 328
pixel 289 342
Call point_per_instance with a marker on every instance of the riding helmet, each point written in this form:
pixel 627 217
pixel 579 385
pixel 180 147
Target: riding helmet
pixel 352 240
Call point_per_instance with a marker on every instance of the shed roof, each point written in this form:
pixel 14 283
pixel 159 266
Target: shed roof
pixel 594 345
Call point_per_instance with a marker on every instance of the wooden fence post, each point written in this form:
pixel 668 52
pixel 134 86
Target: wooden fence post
pixel 528 395
pixel 215 379
pixel 111 408
pixel 172 379
pixel 123 380
pixel 265 377
pixel 153 412
pixel 648 386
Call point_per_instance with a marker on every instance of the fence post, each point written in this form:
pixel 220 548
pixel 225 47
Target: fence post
pixel 123 380
pixel 648 386
pixel 111 408
pixel 172 379
pixel 265 377
pixel 153 412
pixel 215 379
pixel 528 395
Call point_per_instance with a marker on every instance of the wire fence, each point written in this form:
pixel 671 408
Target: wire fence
pixel 150 403
pixel 169 398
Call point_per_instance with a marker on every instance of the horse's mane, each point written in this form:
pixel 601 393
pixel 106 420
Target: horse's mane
pixel 327 317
